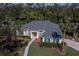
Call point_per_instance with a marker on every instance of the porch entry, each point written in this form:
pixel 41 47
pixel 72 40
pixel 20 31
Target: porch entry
pixel 33 34
pixel 47 40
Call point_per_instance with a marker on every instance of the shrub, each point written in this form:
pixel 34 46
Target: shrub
pixel 60 46
pixel 22 36
pixel 41 45
pixel 44 44
pixel 64 43
pixel 49 45
pixel 25 43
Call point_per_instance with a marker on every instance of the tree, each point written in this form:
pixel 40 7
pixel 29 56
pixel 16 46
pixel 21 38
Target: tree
pixel 9 41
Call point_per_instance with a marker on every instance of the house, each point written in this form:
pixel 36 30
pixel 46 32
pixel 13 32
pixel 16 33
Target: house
pixel 44 31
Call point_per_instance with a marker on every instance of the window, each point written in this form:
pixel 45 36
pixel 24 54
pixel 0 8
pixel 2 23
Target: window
pixel 47 39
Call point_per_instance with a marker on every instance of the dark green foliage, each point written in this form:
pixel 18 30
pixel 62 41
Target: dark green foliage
pixel 8 38
pixel 49 45
pixel 10 44
pixel 66 16
pixel 22 36
pixel 54 45
pixel 46 45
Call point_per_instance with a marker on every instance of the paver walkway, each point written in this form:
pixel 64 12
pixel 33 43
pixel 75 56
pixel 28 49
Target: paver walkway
pixel 27 48
pixel 73 44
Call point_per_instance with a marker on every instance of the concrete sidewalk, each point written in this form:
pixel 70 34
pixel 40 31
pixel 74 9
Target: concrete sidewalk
pixel 73 44
pixel 27 47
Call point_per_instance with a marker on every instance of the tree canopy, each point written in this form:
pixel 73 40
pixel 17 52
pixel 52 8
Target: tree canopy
pixel 64 14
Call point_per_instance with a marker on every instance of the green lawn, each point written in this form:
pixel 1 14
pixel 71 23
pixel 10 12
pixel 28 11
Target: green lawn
pixel 71 52
pixel 38 51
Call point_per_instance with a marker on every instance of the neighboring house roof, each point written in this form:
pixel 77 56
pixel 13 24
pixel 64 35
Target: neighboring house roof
pixel 48 26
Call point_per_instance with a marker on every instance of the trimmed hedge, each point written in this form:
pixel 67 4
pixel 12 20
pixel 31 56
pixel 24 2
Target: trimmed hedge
pixel 22 36
pixel 49 45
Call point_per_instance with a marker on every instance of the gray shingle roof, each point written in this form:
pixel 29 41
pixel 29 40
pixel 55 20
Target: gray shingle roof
pixel 48 26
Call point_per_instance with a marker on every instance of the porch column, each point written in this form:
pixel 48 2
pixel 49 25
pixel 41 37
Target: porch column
pixel 24 32
pixel 43 40
pixel 60 40
pixel 31 35
pixel 27 32
pixel 37 34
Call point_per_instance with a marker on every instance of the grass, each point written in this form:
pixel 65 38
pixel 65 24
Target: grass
pixel 38 51
pixel 71 52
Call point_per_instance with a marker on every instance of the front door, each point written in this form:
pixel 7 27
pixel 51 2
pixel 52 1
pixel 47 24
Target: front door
pixel 34 34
